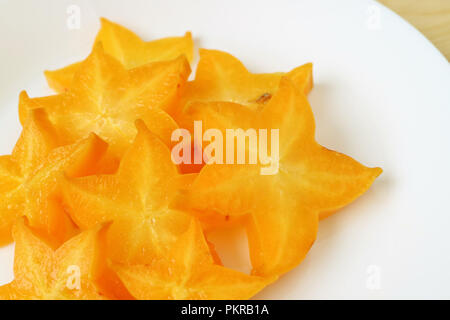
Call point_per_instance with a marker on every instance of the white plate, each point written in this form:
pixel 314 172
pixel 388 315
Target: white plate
pixel 382 95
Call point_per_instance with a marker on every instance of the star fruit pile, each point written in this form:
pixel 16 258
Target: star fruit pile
pixel 98 209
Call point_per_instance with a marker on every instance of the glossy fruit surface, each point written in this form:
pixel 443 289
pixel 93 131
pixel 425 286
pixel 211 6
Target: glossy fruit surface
pixel 188 272
pixel 136 199
pixel 129 49
pixel 282 207
pixel 30 177
pixel 68 273
pixel 93 186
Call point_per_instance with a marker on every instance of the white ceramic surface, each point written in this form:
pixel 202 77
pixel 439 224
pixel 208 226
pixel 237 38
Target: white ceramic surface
pixel 382 95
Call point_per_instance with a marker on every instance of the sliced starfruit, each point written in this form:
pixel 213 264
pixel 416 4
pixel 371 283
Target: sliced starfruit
pixel 282 207
pixel 188 271
pixel 222 77
pixel 74 271
pixel 136 199
pixel 129 49
pixel 108 164
pixel 107 99
pixel 29 177
pixel 143 222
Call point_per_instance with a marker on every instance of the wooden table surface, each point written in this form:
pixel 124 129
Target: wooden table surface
pixel 431 17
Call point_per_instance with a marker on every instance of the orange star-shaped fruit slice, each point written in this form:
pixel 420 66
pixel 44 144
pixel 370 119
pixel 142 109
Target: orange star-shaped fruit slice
pixel 136 199
pixel 188 271
pixel 222 77
pixel 282 208
pixel 106 99
pixel 107 164
pixel 29 177
pixel 71 272
pixel 129 49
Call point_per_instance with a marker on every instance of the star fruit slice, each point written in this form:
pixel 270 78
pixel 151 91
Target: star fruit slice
pixel 188 271
pixel 74 271
pixel 29 177
pixel 282 206
pixel 108 164
pixel 129 49
pixel 222 77
pixel 106 99
pixel 136 199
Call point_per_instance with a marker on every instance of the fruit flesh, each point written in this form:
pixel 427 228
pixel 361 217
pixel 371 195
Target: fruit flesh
pixel 320 180
pixel 45 274
pixel 189 273
pixel 132 95
pixel 107 99
pixel 137 199
pixel 129 49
